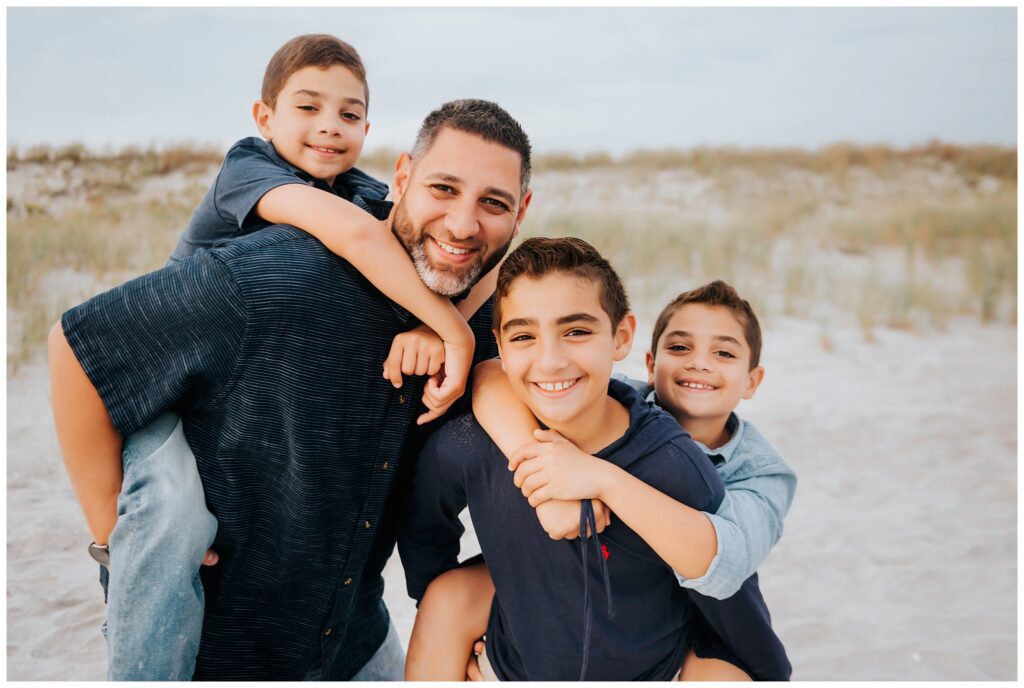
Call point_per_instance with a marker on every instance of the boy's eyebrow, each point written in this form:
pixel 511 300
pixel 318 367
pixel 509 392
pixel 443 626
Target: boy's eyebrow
pixel 717 337
pixel 564 320
pixel 489 191
pixel 317 94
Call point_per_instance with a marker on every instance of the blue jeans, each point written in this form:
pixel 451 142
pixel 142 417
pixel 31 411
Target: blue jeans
pixel 154 596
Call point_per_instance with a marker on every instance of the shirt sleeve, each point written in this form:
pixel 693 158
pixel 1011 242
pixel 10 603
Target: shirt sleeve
pixel 166 340
pixel 249 172
pixel 428 538
pixel 747 525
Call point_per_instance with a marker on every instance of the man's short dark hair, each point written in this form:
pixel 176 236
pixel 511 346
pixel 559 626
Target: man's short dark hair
pixel 310 50
pixel 716 293
pixel 481 118
pixel 542 256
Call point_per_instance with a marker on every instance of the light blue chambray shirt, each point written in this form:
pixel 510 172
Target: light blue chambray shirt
pixel 759 489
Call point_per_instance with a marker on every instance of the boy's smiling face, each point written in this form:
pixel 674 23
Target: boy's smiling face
pixel 557 347
pixel 319 122
pixel 701 369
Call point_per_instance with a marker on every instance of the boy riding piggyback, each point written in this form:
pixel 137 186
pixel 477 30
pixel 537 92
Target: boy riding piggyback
pixel 147 511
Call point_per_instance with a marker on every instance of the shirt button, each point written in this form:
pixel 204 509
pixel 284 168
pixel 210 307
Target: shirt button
pixel 385 465
pixel 327 632
pixel 367 524
pixel 348 581
pixel 401 399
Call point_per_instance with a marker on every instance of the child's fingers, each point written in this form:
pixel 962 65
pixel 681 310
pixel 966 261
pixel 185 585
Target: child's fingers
pixel 525 452
pixel 539 497
pixel 422 362
pixel 525 470
pixel 211 558
pixel 547 435
pixel 436 361
pixel 409 356
pixel 393 364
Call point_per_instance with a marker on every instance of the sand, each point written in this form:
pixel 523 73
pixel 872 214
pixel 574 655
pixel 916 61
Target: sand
pixel 899 555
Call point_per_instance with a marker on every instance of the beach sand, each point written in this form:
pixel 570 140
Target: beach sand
pixel 898 559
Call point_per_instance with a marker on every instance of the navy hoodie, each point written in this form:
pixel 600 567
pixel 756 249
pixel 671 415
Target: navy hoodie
pixel 539 613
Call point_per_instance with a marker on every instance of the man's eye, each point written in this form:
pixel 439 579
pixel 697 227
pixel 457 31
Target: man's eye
pixel 494 202
pixel 443 188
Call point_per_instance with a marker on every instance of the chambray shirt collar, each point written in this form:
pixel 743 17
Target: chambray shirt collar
pixel 735 425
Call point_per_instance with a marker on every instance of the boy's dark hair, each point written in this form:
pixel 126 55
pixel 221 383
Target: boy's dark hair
pixel 716 293
pixel 482 118
pixel 310 50
pixel 541 256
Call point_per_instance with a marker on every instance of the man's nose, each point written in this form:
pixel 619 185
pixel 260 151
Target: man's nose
pixel 461 220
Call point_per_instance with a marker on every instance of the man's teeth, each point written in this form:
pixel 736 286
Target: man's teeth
pixel 452 250
pixel 556 386
pixel 696 385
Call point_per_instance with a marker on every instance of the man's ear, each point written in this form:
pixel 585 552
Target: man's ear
pixel 624 336
pixel 403 172
pixel 754 378
pixel 649 359
pixel 523 205
pixel 263 116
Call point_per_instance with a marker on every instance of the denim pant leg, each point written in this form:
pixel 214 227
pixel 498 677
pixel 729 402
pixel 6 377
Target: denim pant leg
pixel 154 597
pixel 387 663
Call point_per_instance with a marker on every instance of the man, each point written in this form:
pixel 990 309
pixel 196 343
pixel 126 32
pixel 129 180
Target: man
pixel 271 349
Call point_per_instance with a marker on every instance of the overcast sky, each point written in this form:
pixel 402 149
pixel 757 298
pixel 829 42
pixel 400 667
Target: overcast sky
pixel 578 79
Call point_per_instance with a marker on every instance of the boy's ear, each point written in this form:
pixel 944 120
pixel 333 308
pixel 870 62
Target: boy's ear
pixel 624 336
pixel 403 172
pixel 497 340
pixel 366 128
pixel 754 378
pixel 649 359
pixel 523 205
pixel 263 116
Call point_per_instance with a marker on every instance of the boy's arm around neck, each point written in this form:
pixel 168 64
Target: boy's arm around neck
pixel 89 442
pixel 367 243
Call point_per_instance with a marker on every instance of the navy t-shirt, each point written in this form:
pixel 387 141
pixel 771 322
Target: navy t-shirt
pixel 251 168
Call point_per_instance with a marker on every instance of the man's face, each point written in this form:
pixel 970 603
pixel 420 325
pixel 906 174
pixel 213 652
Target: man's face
pixel 557 348
pixel 458 208
pixel 319 124
pixel 702 367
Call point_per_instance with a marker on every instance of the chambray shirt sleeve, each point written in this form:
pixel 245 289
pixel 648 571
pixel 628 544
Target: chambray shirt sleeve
pixel 747 525
pixel 164 341
pixel 428 537
pixel 249 172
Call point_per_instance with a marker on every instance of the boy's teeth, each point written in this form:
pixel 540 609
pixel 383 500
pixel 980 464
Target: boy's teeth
pixel 696 385
pixel 556 386
pixel 452 249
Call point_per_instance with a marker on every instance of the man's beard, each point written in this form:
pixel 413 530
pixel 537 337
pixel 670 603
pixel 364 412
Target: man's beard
pixel 442 280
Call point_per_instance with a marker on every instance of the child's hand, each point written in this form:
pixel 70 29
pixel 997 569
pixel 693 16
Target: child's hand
pixel 554 468
pixel 416 352
pixel 473 667
pixel 445 387
pixel 561 519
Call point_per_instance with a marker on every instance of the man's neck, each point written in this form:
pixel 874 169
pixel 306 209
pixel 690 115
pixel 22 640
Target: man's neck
pixel 593 431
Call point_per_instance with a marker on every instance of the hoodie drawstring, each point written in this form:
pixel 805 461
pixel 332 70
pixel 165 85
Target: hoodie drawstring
pixel 588 523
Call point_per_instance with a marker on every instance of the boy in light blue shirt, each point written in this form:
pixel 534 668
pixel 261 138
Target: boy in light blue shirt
pixel 704 359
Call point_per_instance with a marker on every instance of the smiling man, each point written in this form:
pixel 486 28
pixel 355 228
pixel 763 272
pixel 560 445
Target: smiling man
pixel 271 350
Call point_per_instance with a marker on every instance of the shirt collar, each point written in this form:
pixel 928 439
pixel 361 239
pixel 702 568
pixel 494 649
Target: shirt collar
pixel 721 455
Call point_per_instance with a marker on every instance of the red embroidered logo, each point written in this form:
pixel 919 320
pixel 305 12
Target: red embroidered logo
pixel 604 551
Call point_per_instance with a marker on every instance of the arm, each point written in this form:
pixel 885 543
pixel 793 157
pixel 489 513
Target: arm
pixel 479 294
pixel 748 524
pixel 89 442
pixel 510 424
pixel 364 241
pixel 555 469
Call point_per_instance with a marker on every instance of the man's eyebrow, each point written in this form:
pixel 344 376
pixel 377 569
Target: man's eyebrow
pixel 317 94
pixel 717 337
pixel 489 191
pixel 578 317
pixel 518 322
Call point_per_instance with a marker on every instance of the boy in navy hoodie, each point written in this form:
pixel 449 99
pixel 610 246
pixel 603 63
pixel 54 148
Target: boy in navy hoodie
pixel 607 607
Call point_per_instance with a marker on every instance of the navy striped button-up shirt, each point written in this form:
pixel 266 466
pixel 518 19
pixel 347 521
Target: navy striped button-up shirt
pixel 271 348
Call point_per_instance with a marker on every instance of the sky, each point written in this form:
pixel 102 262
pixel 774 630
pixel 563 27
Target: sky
pixel 578 79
